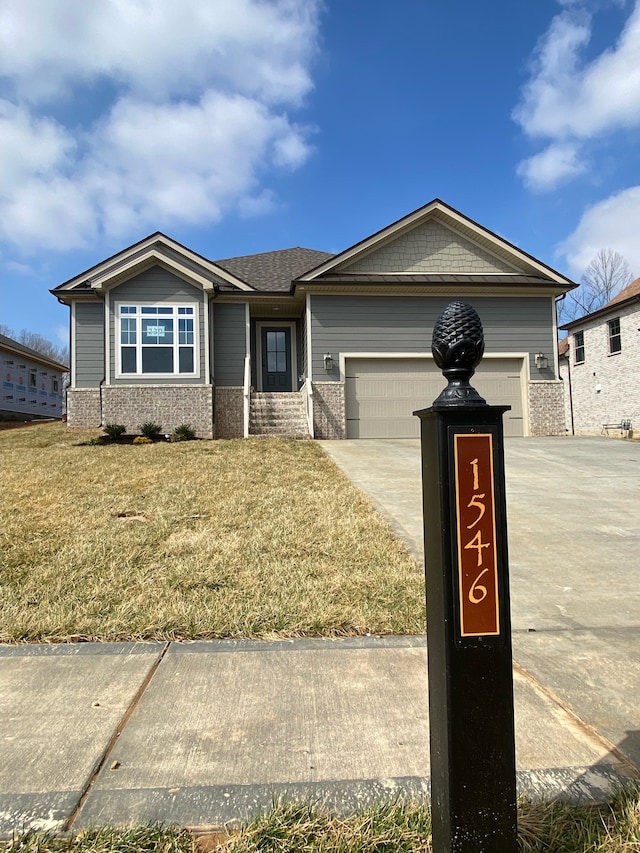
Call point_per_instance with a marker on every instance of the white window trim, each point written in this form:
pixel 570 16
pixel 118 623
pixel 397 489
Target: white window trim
pixel 138 316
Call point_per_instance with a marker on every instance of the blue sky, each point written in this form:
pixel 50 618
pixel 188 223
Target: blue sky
pixel 238 126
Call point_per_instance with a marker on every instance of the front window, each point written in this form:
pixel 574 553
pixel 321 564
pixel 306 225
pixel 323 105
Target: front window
pixel 157 339
pixel 578 342
pixel 33 379
pixel 615 341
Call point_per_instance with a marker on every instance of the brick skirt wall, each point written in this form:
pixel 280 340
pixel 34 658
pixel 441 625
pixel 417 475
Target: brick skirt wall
pixel 83 408
pixel 131 405
pixel 229 412
pixel 546 408
pixel 329 417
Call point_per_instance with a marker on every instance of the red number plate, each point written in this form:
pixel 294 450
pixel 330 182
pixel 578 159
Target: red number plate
pixel 476 523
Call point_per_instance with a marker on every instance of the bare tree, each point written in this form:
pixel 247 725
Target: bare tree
pixel 606 275
pixel 38 343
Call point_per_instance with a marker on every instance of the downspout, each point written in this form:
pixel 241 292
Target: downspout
pixel 573 431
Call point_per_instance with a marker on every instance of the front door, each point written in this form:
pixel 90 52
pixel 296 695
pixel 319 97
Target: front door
pixel 276 358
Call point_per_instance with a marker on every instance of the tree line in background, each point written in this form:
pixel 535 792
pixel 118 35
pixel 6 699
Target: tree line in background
pixel 38 343
pixel 605 276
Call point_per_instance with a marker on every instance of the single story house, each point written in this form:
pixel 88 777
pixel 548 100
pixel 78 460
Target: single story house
pixel 303 342
pixel 600 365
pixel 32 384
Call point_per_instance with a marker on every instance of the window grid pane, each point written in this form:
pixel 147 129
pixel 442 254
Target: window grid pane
pixel 157 332
pixel 148 343
pixel 128 331
pixel 185 356
pixel 157 359
pixel 615 341
pixel 185 331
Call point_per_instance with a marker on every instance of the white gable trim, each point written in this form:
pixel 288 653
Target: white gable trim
pixel 112 278
pixel 144 254
pixel 449 217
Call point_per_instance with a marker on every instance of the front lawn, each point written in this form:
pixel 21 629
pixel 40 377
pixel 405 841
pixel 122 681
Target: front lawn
pixel 192 540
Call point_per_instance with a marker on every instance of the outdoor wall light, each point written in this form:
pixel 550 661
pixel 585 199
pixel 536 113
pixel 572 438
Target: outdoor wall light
pixel 541 361
pixel 328 361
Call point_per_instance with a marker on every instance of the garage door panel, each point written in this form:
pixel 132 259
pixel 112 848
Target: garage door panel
pixel 382 394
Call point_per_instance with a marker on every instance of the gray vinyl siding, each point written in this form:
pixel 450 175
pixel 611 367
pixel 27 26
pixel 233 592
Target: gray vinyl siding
pixel 229 343
pixel 89 344
pixel 152 286
pixel 398 324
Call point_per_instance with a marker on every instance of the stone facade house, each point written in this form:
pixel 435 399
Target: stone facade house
pixel 600 364
pixel 303 342
pixel 32 384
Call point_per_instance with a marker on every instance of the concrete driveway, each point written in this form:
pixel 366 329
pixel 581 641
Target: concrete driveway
pixel 573 509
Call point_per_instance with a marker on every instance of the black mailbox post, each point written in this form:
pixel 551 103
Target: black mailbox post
pixel 473 781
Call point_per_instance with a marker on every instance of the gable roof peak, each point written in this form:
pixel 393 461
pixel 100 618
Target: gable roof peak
pixel 512 258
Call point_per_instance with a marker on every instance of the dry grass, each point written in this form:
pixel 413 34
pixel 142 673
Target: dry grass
pixel 394 827
pixel 243 538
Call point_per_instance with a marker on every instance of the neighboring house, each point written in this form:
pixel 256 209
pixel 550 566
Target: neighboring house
pixel 32 384
pixel 237 346
pixel 600 365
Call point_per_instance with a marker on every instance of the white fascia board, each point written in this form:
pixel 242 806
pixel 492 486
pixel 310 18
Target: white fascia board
pixel 111 279
pixel 99 274
pixel 364 246
pixel 410 221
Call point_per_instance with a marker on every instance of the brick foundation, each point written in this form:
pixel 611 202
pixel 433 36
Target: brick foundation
pixel 329 417
pixel 229 412
pixel 83 408
pixel 166 405
pixel 546 408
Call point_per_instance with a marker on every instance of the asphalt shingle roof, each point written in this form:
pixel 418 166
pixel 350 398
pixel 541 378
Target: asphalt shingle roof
pixel 274 271
pixel 630 290
pixel 31 353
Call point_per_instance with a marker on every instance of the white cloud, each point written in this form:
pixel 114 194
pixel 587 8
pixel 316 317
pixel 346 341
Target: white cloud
pixel 569 99
pixel 558 162
pixel 159 48
pixel 30 145
pixel 192 117
pixel 609 224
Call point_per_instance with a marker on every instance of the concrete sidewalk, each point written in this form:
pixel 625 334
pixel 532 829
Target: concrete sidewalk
pixel 209 733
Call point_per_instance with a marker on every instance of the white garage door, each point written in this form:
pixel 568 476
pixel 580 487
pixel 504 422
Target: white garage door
pixel 382 394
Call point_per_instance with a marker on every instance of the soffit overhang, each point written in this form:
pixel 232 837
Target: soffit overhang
pixel 266 304
pixel 446 287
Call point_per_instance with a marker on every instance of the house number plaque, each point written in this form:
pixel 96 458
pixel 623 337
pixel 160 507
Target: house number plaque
pixel 476 533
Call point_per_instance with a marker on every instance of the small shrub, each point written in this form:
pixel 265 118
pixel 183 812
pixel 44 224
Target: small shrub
pixel 114 431
pixel 94 440
pixel 150 430
pixel 142 439
pixel 184 432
